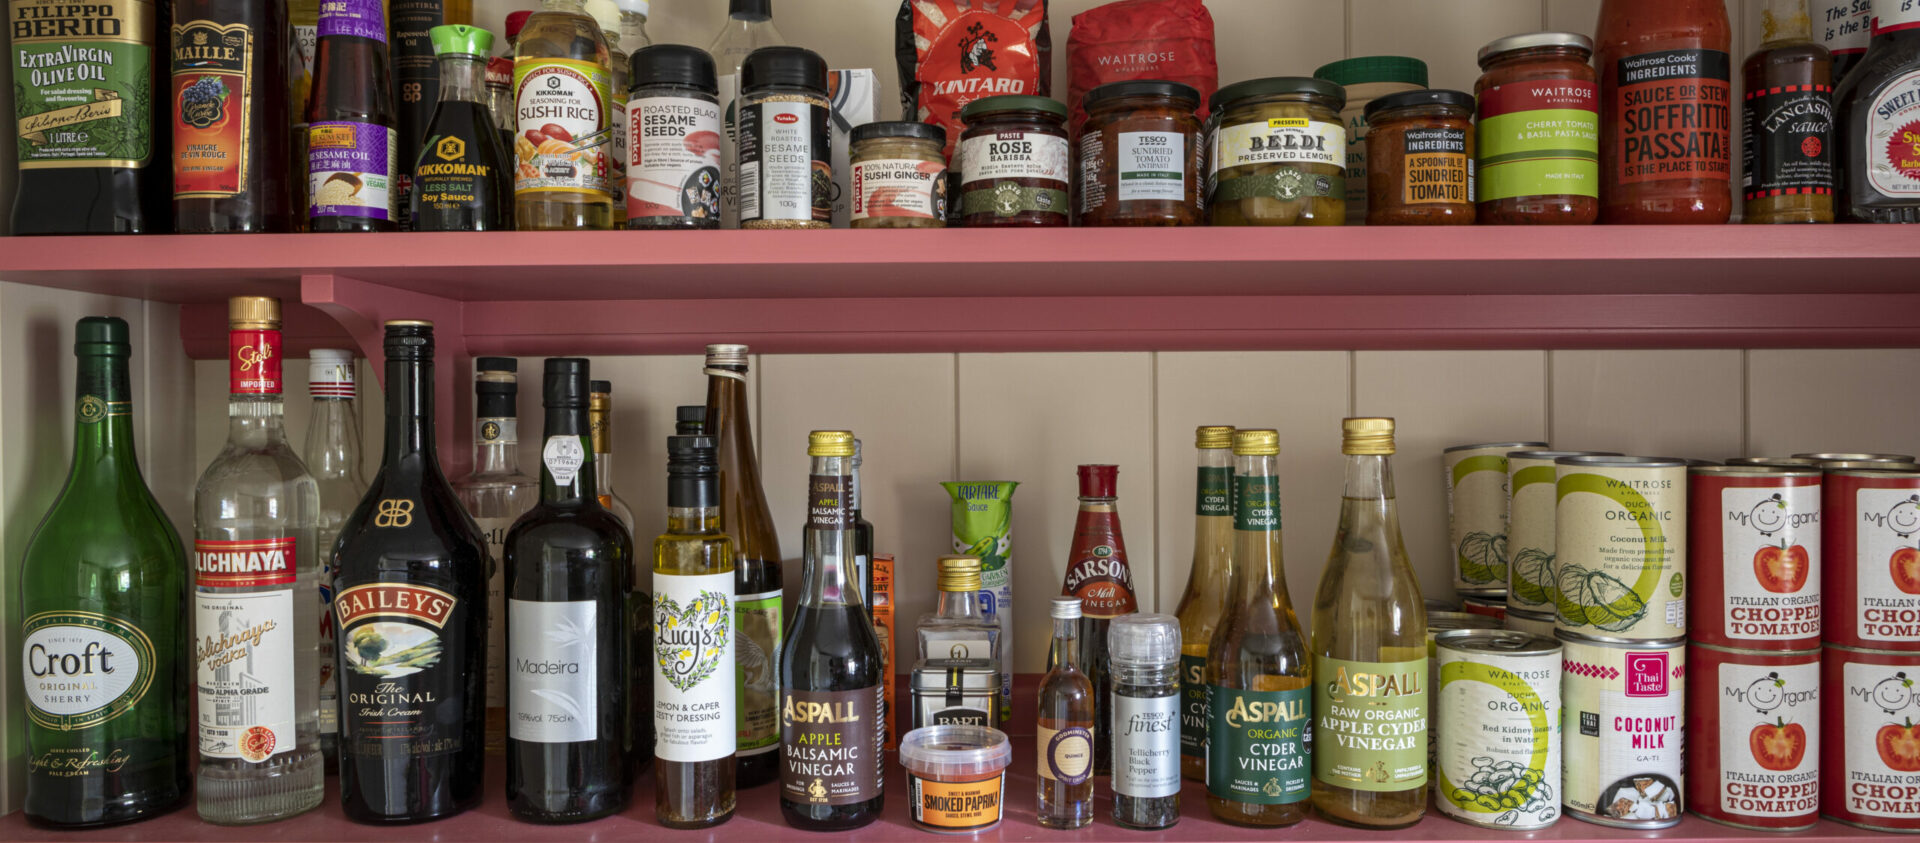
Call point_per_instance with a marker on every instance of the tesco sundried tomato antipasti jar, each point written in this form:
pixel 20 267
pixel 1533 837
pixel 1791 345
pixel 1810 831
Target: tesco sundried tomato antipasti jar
pixel 1140 155
pixel 1013 162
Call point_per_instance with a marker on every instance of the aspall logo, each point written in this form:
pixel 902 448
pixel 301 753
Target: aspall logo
pixel 450 149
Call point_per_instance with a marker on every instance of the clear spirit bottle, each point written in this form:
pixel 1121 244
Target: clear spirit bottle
pixel 496 494
pixel 332 453
pixel 1064 735
pixel 958 627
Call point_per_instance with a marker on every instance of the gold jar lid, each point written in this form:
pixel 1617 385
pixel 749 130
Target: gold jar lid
pixel 1370 436
pixel 1256 443
pixel 959 573
pixel 253 313
pixel 1213 436
pixel 830 443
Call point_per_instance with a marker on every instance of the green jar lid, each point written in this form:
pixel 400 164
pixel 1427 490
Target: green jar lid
pixel 1012 102
pixel 1278 85
pixel 1364 69
pixel 460 39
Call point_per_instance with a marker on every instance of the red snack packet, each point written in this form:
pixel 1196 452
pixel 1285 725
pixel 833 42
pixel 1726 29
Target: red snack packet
pixel 952 52
pixel 1170 40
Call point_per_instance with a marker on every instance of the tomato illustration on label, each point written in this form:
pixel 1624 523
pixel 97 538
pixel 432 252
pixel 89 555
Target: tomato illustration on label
pixel 1899 746
pixel 1782 569
pixel 1904 567
pixel 1778 746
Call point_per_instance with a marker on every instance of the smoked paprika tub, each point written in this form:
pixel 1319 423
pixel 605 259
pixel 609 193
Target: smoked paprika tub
pixel 1666 112
pixel 1870 520
pixel 1871 759
pixel 956 777
pixel 1753 756
pixel 1755 550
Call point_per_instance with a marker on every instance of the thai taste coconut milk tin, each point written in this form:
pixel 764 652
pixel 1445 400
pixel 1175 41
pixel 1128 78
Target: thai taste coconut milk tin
pixel 1871 756
pixel 1476 481
pixel 1871 533
pixel 1620 548
pixel 1530 505
pixel 1498 710
pixel 1622 731
pixel 1753 759
pixel 1755 547
pixel 1528 622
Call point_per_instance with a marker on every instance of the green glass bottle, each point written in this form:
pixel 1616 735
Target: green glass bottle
pixel 103 595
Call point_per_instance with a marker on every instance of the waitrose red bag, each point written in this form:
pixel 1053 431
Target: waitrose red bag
pixel 952 52
pixel 1170 40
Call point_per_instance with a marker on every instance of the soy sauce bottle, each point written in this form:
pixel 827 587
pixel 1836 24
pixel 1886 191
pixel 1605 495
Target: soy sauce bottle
pixel 461 180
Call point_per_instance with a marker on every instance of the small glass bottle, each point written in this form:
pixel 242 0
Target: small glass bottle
pixel 1064 734
pixel 692 584
pixel 607 15
pixel 461 181
pixel 352 163
pixel 1145 651
pixel 1209 582
pixel 862 537
pixel 1788 147
pixel 563 138
pixel 958 627
pixel 1098 574
pixel 749 27
pixel 332 453
pixel 633 25
pixel 673 175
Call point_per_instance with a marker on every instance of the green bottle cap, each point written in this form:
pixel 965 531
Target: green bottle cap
pixel 460 38
pixel 1364 69
pixel 102 336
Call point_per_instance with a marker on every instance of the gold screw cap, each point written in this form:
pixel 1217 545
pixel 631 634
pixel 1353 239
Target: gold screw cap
pixel 253 313
pixel 1256 443
pixel 1369 436
pixel 959 573
pixel 830 443
pixel 1213 436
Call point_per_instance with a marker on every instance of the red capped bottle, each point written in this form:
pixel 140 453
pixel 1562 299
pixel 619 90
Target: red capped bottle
pixel 1098 574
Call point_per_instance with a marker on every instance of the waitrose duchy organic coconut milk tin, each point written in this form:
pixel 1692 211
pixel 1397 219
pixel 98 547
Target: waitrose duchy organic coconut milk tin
pixel 1753 758
pixel 1620 548
pixel 1870 758
pixel 1870 530
pixel 1530 623
pixel 1497 727
pixel 1754 543
pixel 1622 731
pixel 1530 504
pixel 1476 485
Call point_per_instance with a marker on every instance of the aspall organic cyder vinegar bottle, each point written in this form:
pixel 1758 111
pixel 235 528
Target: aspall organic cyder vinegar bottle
pixel 1209 585
pixel 1369 652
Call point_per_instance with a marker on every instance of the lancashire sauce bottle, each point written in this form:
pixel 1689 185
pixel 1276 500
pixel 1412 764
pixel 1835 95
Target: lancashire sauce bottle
pixel 1879 116
pixel 1788 145
pixel 1666 112
pixel 1209 584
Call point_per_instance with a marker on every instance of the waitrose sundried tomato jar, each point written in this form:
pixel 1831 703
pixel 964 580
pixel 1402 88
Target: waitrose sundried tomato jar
pixel 1420 159
pixel 1013 162
pixel 1140 155
pixel 1538 134
pixel 1277 153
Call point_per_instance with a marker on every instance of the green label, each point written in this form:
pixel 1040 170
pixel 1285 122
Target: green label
pixel 1371 718
pixel 1007 198
pixel 1258 745
pixel 1542 152
pixel 1214 492
pixel 83 83
pixel 1256 503
pixel 756 646
pixel 1193 706
pixel 1285 183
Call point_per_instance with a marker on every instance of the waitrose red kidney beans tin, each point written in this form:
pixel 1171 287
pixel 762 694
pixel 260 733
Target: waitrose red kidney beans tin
pixel 1753 757
pixel 1755 549
pixel 1871 755
pixel 1871 536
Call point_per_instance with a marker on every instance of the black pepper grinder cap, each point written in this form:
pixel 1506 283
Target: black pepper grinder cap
pixel 672 64
pixel 795 66
pixel 565 386
pixel 409 339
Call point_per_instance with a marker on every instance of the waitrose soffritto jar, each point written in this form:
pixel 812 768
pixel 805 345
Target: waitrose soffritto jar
pixel 899 175
pixel 1013 162
pixel 1364 78
pixel 1420 159
pixel 1140 155
pixel 1538 131
pixel 1277 152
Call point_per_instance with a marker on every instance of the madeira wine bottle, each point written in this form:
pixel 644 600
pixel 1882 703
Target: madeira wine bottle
pixel 692 671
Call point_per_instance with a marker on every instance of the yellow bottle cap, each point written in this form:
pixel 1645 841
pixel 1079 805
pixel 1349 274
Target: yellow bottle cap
pixel 1256 443
pixel 1213 436
pixel 959 573
pixel 830 443
pixel 1372 436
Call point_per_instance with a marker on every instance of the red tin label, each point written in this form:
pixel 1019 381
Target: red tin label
pixel 1873 763
pixel 1756 547
pixel 1872 534
pixel 253 362
pixel 1756 762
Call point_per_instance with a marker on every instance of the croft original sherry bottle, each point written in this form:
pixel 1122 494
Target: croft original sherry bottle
pixel 256 514
pixel 833 705
pixel 568 560
pixel 333 455
pixel 1209 582
pixel 496 494
pixel 410 604
pixel 104 639
pixel 692 661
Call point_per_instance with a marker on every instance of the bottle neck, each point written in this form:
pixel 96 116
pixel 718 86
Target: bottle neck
pixel 854 493
pixel 567 469
pixel 1213 487
pixel 409 412
pixel 1064 655
pixel 829 534
pixel 333 439
pixel 501 453
pixel 958 605
pixel 1369 478
pixel 463 78
pixel 727 409
pixel 693 520
pixel 1256 526
pixel 633 29
pixel 103 417
pixel 578 7
pixel 750 10
pixel 603 473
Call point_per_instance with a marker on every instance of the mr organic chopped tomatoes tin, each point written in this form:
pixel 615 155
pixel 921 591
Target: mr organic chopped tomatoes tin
pixel 1872 755
pixel 1870 523
pixel 1755 549
pixel 1753 757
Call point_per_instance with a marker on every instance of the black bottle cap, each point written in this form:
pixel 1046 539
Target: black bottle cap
pixel 796 66
pixel 750 9
pixel 690 419
pixel 690 454
pixel 897 129
pixel 409 339
pixel 103 336
pixel 601 387
pixel 497 388
pixel 566 383
pixel 693 478
pixel 496 364
pixel 672 64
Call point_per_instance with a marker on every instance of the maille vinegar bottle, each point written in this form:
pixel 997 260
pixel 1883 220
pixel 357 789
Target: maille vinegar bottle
pixel 1369 652
pixel 1208 584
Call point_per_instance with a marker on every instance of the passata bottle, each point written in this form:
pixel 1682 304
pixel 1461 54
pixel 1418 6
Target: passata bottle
pixel 1666 112
pixel 1879 120
pixel 1098 574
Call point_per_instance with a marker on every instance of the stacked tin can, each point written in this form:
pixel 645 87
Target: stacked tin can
pixel 1496 706
pixel 1475 477
pixel 1530 506
pixel 1619 571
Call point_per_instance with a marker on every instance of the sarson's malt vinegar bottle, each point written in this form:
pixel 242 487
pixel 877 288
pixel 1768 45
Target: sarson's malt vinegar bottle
pixel 1369 652
pixel 1209 585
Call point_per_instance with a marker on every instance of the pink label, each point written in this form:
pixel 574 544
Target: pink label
pixel 1646 674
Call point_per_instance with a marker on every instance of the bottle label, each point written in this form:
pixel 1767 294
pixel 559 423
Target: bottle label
pixel 499 432
pixel 899 187
pixel 1146 746
pixel 1788 146
pixel 1843 26
pixel 693 675
pixel 1437 169
pixel 1258 745
pixel 1066 755
pixel 1893 136
pixel 563 456
pixel 1013 155
pixel 1279 140
pixel 1256 505
pixel 1769 736
pixel 400 690
pixel 829 502
pixel 1770 563
pixel 82 83
pixel 244 650
pixel 756 652
pixel 562 144
pixel 253 362
pixel 1895 15
pixel 350 170
pixel 302 50
pixel 786 170
pixel 1193 706
pixel 1371 721
pixel 416 74
pixel 258 563
pixel 356 18
pixel 452 176
pixel 675 165
pixel 1097 572
pixel 551 679
pixel 617 162
pixel 1213 493
pixel 494 532
pixel 1676 116
pixel 212 67
pixel 832 743
pixel 1539 139
pixel 92 409
pixel 83 669
pixel 1153 166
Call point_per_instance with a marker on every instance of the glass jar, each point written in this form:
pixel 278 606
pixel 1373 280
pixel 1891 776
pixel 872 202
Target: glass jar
pixel 1364 78
pixel 899 175
pixel 1278 153
pixel 673 115
pixel 1140 155
pixel 783 106
pixel 1530 83
pixel 1013 162
pixel 1420 159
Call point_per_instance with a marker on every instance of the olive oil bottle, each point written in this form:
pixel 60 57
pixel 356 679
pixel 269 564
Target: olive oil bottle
pixel 1369 652
pixel 1257 675
pixel 1208 584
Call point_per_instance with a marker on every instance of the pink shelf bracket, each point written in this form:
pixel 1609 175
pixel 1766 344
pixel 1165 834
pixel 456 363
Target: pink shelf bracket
pixel 363 309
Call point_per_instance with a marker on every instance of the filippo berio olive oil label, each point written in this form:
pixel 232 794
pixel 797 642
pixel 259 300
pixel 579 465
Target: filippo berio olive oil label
pixel 1370 723
pixel 82 82
pixel 1258 745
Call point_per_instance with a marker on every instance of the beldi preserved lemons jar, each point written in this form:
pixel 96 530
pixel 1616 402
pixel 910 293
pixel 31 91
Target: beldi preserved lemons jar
pixel 1278 152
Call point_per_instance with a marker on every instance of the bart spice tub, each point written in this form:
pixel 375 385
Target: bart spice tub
pixel 1870 530
pixel 1621 734
pixel 1498 713
pixel 1620 548
pixel 983 527
pixel 1530 505
pixel 1753 758
pixel 1476 481
pixel 1754 542
pixel 1871 755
